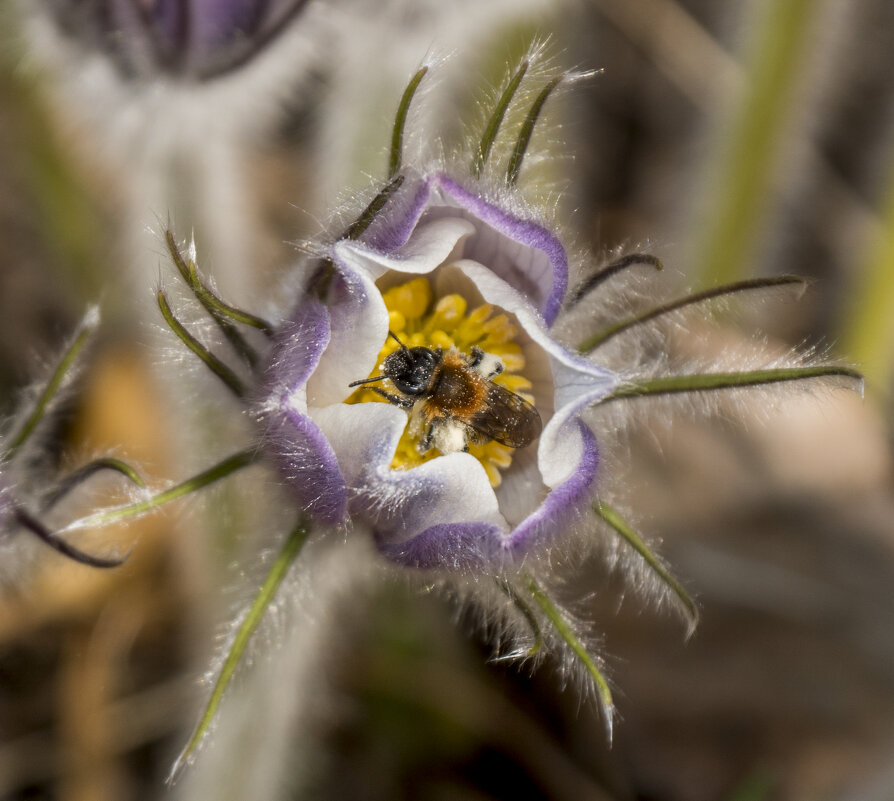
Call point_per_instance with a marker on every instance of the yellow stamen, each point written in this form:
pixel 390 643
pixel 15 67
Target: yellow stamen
pixel 448 323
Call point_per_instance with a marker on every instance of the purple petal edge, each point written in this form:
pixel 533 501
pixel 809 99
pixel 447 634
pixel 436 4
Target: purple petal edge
pixel 393 229
pixel 476 545
pixel 302 453
pixel 308 466
pixel 300 343
pixel 526 232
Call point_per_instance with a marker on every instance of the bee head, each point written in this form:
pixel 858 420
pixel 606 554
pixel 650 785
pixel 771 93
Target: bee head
pixel 411 369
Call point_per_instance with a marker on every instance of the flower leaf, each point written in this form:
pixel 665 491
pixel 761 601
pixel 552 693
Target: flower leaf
pixel 623 528
pixel 564 630
pixel 706 382
pixel 278 571
pixel 496 120
pixel 217 308
pixel 527 129
pixel 400 122
pixel 618 265
pixel 36 527
pixel 522 605
pixel 221 470
pixel 356 229
pixel 54 384
pixel 603 336
pixel 84 472
pixel 221 370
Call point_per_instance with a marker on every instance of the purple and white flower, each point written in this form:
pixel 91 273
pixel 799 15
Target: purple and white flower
pixel 337 456
pixel 195 39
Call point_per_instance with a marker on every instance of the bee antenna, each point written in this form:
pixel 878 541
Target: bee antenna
pixel 394 337
pixel 366 381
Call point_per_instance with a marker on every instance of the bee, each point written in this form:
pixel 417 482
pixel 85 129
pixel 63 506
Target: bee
pixel 452 399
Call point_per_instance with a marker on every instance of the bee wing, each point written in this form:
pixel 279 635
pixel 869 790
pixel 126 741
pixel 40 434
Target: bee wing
pixel 507 418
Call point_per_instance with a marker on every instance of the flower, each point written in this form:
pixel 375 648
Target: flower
pixel 444 268
pixel 197 39
pixel 417 390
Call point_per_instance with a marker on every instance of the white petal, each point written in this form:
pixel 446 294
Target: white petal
pixel 359 325
pixel 431 245
pixel 402 503
pixel 577 382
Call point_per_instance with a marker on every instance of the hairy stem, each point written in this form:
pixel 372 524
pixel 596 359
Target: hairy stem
pixel 748 285
pixel 496 120
pixel 400 122
pixel 221 470
pixel 221 370
pixel 53 386
pixel 278 571
pixel 564 630
pixel 707 382
pixel 627 533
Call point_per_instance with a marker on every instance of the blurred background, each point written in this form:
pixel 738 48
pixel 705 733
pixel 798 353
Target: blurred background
pixel 730 139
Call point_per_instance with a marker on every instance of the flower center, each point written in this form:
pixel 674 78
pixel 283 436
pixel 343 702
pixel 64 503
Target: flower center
pixel 418 321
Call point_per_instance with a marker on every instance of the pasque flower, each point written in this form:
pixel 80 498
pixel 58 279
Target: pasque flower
pixel 417 390
pixel 196 39
pixel 442 268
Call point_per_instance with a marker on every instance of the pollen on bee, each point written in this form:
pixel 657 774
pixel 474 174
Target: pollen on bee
pixel 420 320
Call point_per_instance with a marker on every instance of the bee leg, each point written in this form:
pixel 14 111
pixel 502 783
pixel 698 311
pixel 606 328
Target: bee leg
pixel 425 442
pixel 404 403
pixel 449 436
pixel 485 364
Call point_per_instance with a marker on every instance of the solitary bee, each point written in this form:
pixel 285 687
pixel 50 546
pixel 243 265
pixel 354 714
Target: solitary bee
pixel 453 399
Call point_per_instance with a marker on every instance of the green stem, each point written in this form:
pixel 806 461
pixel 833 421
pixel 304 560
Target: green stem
pixel 53 385
pixel 611 516
pixel 706 382
pixel 747 166
pixel 211 361
pixel 221 470
pixel 496 120
pixel 526 612
pixel 216 307
pixel 400 121
pixel 563 629
pixel 619 265
pixel 607 333
pixel 527 130
pixel 84 472
pixel 278 571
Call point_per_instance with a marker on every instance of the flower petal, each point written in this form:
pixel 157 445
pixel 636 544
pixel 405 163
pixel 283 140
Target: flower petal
pixel 308 465
pixel 479 544
pixel 522 252
pixel 300 343
pixel 358 327
pixel 525 254
pixel 403 503
pixel 432 244
pixel 577 382
pixel 304 456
